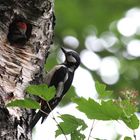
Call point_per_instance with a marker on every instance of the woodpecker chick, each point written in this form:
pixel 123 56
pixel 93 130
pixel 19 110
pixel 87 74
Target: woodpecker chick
pixel 19 32
pixel 61 77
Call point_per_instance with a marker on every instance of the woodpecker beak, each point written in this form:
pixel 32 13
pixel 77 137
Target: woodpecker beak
pixel 64 51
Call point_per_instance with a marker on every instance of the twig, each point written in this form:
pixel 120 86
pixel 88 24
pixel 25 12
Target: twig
pixel 56 121
pixel 91 130
pixel 134 135
pixel 60 127
pixel 59 113
pixel 44 112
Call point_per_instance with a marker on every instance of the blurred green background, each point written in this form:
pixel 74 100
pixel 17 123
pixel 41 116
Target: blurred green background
pixel 107 30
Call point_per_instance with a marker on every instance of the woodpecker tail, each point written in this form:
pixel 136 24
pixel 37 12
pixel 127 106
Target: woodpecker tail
pixel 46 109
pixel 40 114
pixel 36 118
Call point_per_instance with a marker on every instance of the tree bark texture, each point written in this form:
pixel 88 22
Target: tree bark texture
pixel 20 67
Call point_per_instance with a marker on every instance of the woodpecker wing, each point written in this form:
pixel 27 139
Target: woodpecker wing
pixel 56 75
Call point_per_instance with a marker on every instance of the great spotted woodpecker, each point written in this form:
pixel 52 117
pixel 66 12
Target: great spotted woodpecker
pixel 61 76
pixel 19 32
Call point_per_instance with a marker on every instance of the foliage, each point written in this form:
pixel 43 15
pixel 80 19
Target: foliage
pixel 24 103
pixel 102 92
pixel 107 110
pixel 71 125
pixel 127 138
pixel 42 91
pixel 39 90
pixel 111 109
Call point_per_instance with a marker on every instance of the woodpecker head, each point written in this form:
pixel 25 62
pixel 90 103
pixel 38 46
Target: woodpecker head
pixel 72 59
pixel 19 32
pixel 22 27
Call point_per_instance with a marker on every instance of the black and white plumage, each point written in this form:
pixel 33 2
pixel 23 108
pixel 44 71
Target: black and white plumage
pixel 61 76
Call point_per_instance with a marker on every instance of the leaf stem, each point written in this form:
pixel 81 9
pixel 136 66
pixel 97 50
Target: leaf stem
pixel 55 121
pixel 91 130
pixel 134 135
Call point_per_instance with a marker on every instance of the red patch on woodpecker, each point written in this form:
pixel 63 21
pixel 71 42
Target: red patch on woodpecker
pixel 22 25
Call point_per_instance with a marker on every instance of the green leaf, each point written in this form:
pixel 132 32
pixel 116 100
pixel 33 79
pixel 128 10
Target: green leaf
pixel 108 110
pixel 128 115
pixel 111 110
pixel 105 111
pixel 66 127
pixel 132 121
pixel 70 124
pixel 72 119
pixel 101 89
pixel 128 107
pixel 90 108
pixel 127 138
pixel 76 135
pixel 24 103
pixel 42 90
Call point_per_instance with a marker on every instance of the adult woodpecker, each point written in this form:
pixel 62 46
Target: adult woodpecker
pixel 61 77
pixel 19 32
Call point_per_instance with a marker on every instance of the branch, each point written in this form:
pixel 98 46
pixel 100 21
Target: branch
pixel 58 124
pixel 91 130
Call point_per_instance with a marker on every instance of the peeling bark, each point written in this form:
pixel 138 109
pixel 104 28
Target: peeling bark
pixel 21 66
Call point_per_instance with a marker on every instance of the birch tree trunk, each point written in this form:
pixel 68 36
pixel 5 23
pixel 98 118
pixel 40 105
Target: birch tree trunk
pixel 21 66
